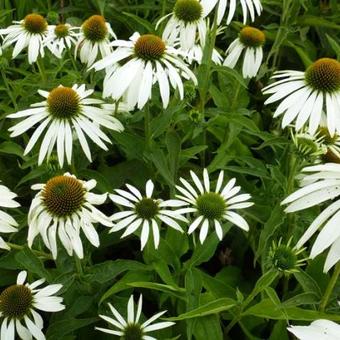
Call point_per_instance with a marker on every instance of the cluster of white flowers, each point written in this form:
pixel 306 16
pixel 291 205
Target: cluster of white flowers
pixel 65 207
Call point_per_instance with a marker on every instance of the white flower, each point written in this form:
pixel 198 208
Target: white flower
pixel 30 32
pixel 144 211
pixel 252 6
pixel 186 22
pixel 195 53
pixel 65 205
pixel 307 94
pixel 60 37
pixel 320 185
pixel 251 40
pixel 18 305
pixel 7 222
pixel 317 330
pixel 212 207
pixel 132 329
pixel 65 110
pixel 94 39
pixel 147 60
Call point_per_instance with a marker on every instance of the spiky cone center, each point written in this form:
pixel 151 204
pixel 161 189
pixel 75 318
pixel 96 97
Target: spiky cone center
pixel 133 332
pixel 330 157
pixel 147 208
pixel 61 31
pixel 306 145
pixel 211 205
pixel 188 11
pixel 63 196
pixel 15 301
pixel 149 47
pixel 252 37
pixel 35 23
pixel 324 75
pixel 63 102
pixel 94 28
pixel 284 258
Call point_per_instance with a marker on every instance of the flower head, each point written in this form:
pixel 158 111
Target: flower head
pixel 251 40
pixel 65 205
pixel 132 328
pixel 212 207
pixel 7 222
pixel 252 7
pixel 94 38
pixel 144 211
pixel 18 305
pixel 136 65
pixel 285 258
pixel 66 110
pixel 60 37
pixel 322 183
pixel 185 24
pixel 318 329
pixel 31 32
pixel 307 94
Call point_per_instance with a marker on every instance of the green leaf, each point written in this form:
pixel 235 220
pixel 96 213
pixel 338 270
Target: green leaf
pixel 12 148
pixel 107 271
pixel 32 263
pixel 266 309
pixel 175 291
pixel 213 307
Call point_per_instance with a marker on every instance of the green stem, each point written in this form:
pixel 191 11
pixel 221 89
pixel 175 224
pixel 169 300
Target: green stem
pixel 8 89
pixel 231 324
pixel 234 101
pixel 41 68
pixel 36 252
pixel 147 131
pixel 330 288
pixel 78 264
pixel 163 11
pixel 72 60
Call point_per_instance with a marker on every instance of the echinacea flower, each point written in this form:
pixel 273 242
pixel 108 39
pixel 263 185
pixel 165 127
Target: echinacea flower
pixel 212 207
pixel 60 37
pixel 307 94
pixel 195 54
pixel 185 24
pixel 65 110
pixel 7 222
pixel 322 183
pixel 94 38
pixel 18 305
pixel 64 206
pixel 285 258
pixel 318 329
pixel 136 65
pixel 145 212
pixel 250 41
pixel 252 6
pixel 30 32
pixel 132 328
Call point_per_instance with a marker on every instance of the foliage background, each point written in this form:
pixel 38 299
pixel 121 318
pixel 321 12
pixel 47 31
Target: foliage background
pixel 221 290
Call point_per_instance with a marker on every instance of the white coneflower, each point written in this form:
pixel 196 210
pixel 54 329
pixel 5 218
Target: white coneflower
pixel 252 6
pixel 251 40
pixel 7 222
pixel 18 305
pixel 30 32
pixel 60 37
pixel 146 60
pixel 318 329
pixel 195 54
pixel 64 206
pixel 94 38
pixel 321 185
pixel 185 24
pixel 65 110
pixel 212 207
pixel 145 212
pixel 307 94
pixel 132 328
